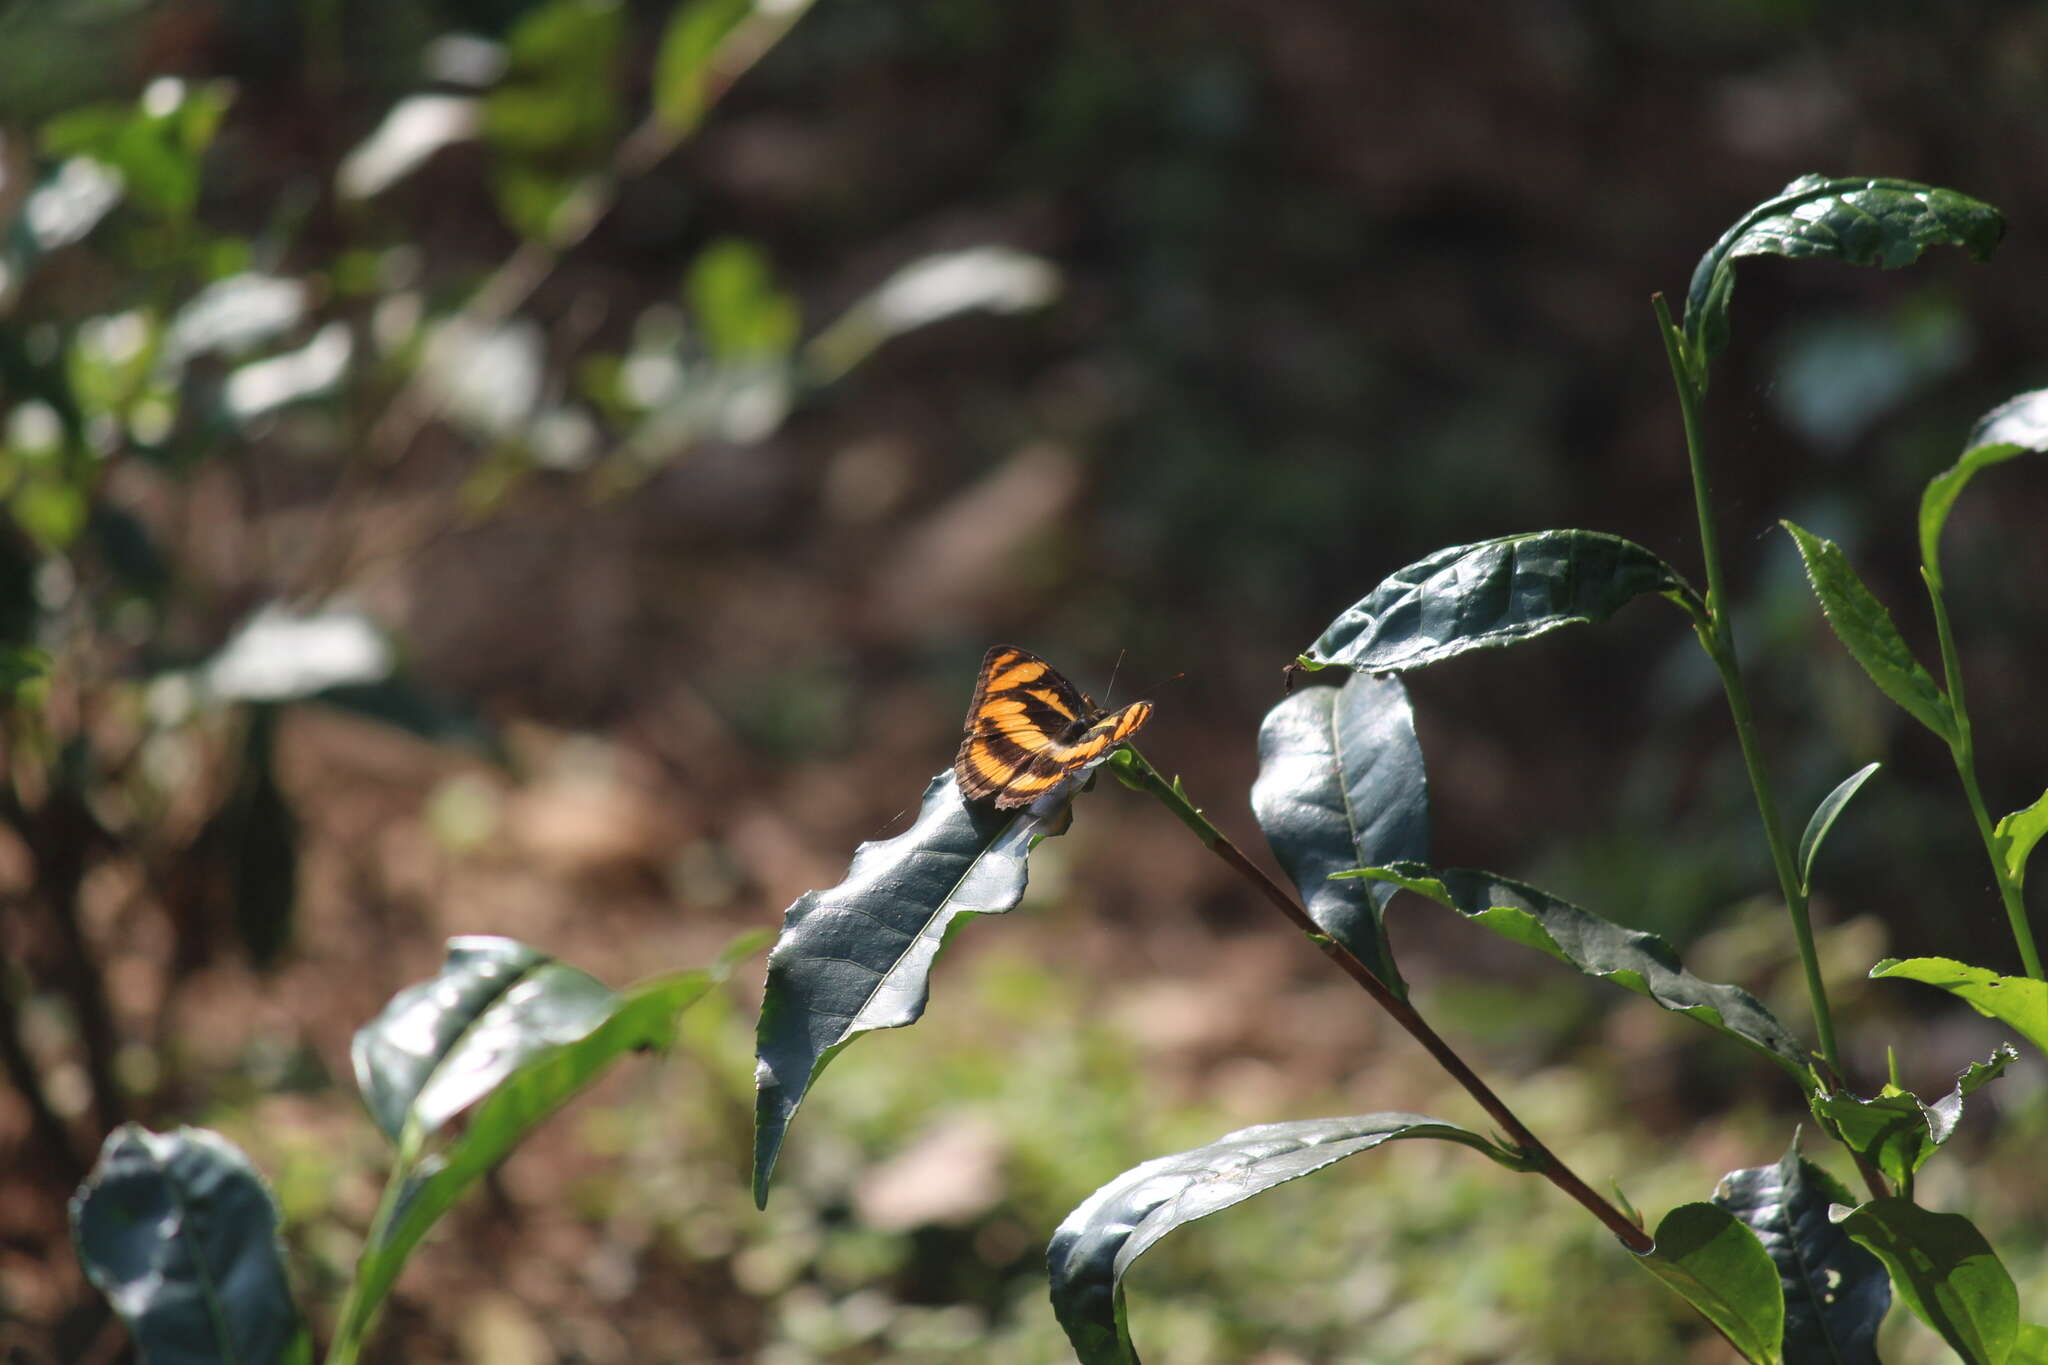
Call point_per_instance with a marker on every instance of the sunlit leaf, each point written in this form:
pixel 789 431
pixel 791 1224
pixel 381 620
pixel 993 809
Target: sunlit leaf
pixel 1341 784
pixel 736 305
pixel 283 654
pixel 1633 959
pixel 1855 221
pixel 156 145
pixel 1946 1273
pixel 178 1231
pixel 2017 834
pixel 1718 1265
pixel 1865 628
pixel 2017 1001
pixel 1497 592
pixel 2014 427
pixel 995 279
pixel 416 128
pixel 1096 1245
pixel 1894 1131
pixel 858 957
pixel 1836 1293
pixel 2029 1346
pixel 1824 817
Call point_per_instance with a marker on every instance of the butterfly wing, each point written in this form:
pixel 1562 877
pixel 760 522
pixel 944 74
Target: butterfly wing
pixel 1028 728
pixel 1056 762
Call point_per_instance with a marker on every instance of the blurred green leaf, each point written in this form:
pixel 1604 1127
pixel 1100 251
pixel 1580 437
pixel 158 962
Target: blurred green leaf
pixel 178 1231
pixel 1630 958
pixel 2017 833
pixel 444 1044
pixel 1836 1293
pixel 555 116
pixel 2029 1346
pixel 1824 817
pixel 1097 1243
pixel 1341 783
pixel 1894 1131
pixel 683 67
pixel 736 305
pixel 2018 1001
pixel 2014 427
pixel 1497 592
pixel 50 509
pixel 1855 221
pixel 1717 1264
pixel 1947 1274
pixel 858 957
pixel 157 146
pixel 1865 628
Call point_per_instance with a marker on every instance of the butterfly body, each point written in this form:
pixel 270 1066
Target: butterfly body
pixel 1029 729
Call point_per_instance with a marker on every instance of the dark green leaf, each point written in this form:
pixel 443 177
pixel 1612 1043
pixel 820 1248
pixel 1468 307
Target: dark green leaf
pixel 1630 958
pixel 1855 221
pixel 444 1044
pixel 683 67
pixel 2018 1001
pixel 546 1077
pixel 1824 816
pixel 263 845
pixel 1341 783
pixel 178 1231
pixel 1894 1131
pixel 2017 833
pixel 858 957
pixel 1497 592
pixel 1866 628
pixel 1836 1293
pixel 1097 1243
pixel 1718 1265
pixel 1946 1273
pixel 2013 428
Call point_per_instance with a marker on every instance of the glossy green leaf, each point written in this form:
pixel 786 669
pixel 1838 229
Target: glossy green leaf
pixel 1865 628
pixel 1341 783
pixel 1719 1266
pixel 1495 593
pixel 444 1044
pixel 1894 1131
pixel 1097 1243
pixel 2012 428
pixel 1630 958
pixel 2018 1001
pixel 549 1071
pixel 2017 834
pixel 1946 1273
pixel 178 1231
pixel 1836 1293
pixel 858 957
pixel 1824 817
pixel 683 65
pixel 1855 221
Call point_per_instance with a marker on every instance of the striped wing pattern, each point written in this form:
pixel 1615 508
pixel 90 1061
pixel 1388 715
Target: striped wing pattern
pixel 1028 729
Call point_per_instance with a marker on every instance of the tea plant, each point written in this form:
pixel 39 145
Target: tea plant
pixel 1784 1261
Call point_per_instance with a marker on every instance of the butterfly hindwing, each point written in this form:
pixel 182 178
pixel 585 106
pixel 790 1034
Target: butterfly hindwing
pixel 1029 729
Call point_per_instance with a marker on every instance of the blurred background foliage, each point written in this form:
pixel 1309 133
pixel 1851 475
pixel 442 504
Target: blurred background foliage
pixel 551 468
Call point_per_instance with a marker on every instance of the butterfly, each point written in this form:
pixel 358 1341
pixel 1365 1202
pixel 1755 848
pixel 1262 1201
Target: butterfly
pixel 1029 729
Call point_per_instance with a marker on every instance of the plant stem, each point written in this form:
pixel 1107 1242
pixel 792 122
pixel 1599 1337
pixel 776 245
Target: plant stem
pixel 1541 1160
pixel 1717 635
pixel 358 1313
pixel 1964 750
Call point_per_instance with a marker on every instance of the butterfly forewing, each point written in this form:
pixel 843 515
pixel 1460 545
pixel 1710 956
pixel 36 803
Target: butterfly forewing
pixel 1028 729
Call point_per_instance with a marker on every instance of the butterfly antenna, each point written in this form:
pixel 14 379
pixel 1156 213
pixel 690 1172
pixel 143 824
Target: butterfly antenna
pixel 1172 678
pixel 1110 690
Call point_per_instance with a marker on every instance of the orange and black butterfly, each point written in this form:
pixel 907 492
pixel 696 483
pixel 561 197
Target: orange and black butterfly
pixel 1029 729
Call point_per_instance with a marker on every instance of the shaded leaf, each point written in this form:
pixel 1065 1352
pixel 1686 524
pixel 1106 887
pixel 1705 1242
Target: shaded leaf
pixel 178 1231
pixel 2012 428
pixel 1497 592
pixel 1719 1266
pixel 2017 834
pixel 858 957
pixel 1836 1293
pixel 1097 1243
pixel 1946 1273
pixel 549 1071
pixel 553 119
pixel 1824 817
pixel 262 840
pixel 2018 1001
pixel 1341 783
pixel 1895 1132
pixel 1854 220
pixel 444 1044
pixel 1633 959
pixel 1865 628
